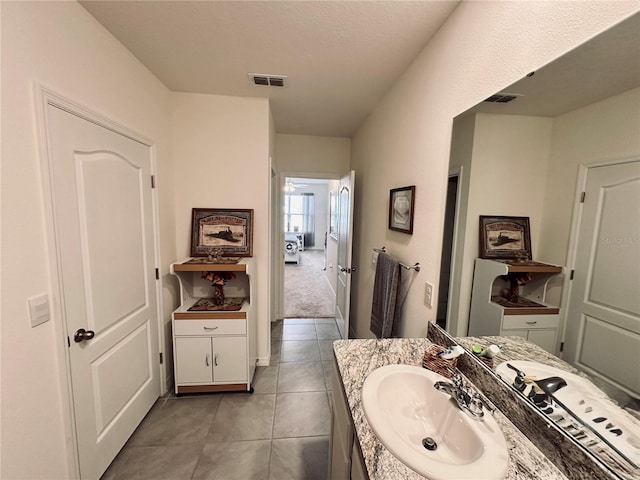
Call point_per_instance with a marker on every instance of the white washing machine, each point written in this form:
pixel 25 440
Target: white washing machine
pixel 291 249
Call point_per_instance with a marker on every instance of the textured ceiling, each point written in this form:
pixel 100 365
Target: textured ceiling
pixel 340 57
pixel 606 65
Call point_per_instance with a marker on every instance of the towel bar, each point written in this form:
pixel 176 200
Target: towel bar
pixel 415 266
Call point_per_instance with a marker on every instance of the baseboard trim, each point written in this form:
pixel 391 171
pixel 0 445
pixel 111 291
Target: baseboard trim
pixel 264 361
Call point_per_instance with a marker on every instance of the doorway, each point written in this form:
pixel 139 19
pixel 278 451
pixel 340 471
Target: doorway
pixel 446 258
pixel 103 236
pixel 308 266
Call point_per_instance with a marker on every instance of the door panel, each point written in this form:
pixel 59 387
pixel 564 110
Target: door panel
pixel 614 248
pixel 111 224
pixel 345 240
pixel 603 320
pixel 600 336
pixel 100 183
pixel 107 371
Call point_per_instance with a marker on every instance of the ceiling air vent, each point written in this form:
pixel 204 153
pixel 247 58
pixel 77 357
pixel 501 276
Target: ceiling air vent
pixel 502 97
pixel 267 80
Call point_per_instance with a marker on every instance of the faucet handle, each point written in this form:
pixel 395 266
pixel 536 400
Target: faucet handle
pixel 476 404
pixel 456 379
pixel 518 382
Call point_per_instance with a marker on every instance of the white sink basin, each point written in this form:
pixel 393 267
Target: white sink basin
pixel 403 408
pixel 588 403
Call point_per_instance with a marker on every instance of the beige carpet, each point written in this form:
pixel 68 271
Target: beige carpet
pixel 307 293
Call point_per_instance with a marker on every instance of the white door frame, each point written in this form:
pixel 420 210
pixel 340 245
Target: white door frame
pixel 44 97
pixel 453 273
pixel 576 218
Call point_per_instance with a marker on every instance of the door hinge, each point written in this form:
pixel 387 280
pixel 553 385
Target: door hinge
pixel 562 346
pixel 153 181
pixel 582 195
pixel 157 274
pixel 161 359
pixel 571 275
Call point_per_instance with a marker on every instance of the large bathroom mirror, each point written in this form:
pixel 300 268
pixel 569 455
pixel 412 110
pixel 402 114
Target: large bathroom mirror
pixel 524 155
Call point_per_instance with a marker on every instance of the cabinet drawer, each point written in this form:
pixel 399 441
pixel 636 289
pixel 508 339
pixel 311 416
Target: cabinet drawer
pixel 234 326
pixel 529 321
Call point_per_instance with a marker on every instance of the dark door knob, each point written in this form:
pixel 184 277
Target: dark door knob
pixel 82 335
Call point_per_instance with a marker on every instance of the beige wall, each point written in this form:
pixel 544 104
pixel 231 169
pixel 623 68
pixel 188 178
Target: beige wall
pixel 528 166
pixel 62 46
pixel 406 140
pixel 312 155
pixel 507 175
pixel 601 132
pixel 221 160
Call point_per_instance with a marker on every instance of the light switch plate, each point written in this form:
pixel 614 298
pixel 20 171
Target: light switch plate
pixel 39 309
pixel 428 294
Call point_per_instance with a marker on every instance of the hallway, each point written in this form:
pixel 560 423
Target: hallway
pixel 280 432
pixel 307 291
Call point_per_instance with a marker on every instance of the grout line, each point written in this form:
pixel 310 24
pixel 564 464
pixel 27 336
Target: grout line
pixel 195 467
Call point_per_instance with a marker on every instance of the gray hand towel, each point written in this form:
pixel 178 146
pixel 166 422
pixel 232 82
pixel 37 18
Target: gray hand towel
pixel 385 308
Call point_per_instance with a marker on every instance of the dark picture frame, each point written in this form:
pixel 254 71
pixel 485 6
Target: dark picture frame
pixel 228 230
pixel 505 237
pixel 401 209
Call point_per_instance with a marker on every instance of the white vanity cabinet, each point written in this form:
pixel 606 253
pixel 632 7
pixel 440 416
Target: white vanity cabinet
pixel 213 350
pixel 345 459
pixel 533 318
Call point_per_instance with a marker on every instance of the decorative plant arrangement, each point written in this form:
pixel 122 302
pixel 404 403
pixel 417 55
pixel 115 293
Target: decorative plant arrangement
pixel 515 280
pixel 218 279
pixel 218 301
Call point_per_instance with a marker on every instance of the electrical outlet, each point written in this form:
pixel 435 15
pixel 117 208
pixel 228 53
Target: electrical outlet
pixel 428 294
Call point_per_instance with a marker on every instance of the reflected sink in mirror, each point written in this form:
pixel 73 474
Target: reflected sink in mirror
pixel 409 415
pixel 580 408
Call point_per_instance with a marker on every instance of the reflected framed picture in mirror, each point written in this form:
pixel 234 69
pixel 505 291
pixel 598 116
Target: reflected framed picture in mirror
pixel 401 206
pixel 505 237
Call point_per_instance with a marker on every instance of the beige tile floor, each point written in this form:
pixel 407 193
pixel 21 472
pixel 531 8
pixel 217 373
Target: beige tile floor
pixel 280 432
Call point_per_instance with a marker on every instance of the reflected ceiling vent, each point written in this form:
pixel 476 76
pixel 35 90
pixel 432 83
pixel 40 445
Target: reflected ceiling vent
pixel 503 97
pixel 267 80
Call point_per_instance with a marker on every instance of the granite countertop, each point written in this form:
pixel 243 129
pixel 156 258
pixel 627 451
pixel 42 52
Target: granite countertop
pixel 357 358
pixel 516 348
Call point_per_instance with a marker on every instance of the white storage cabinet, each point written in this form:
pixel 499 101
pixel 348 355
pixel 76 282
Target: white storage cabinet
pixel 537 323
pixel 213 350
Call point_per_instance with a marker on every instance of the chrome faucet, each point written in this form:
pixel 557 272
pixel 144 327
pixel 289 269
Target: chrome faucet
pixel 470 403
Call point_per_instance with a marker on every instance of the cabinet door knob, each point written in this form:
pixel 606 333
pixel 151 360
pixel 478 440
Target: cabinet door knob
pixel 215 359
pixel 206 360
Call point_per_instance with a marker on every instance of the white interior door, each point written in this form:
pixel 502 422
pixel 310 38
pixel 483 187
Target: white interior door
pixel 345 236
pixel 602 334
pixel 101 187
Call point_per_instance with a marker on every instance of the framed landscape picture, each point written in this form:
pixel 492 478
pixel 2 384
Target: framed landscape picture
pixel 227 230
pixel 401 205
pixel 505 237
